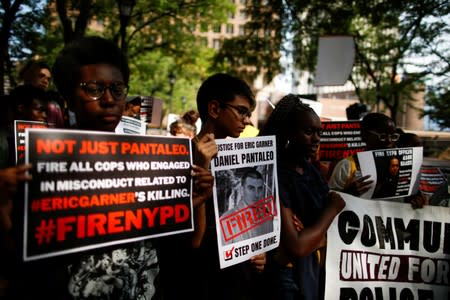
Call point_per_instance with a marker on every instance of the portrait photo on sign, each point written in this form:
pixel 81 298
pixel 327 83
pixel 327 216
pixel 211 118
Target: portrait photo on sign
pixel 246 202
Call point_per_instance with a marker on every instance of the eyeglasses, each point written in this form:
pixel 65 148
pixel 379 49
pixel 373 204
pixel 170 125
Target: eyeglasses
pixel 243 111
pixel 383 136
pixel 96 90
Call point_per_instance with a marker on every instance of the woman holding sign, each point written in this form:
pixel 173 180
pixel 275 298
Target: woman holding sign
pixel 92 74
pixel 307 206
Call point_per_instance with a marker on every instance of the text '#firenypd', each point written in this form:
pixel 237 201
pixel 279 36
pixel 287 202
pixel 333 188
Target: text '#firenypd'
pixel 114 222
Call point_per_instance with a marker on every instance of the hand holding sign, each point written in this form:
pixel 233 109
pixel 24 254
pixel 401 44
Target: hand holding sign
pixel 358 186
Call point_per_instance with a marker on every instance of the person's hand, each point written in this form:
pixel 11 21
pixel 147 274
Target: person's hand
pixel 357 187
pixel 9 180
pixel 297 223
pixel 418 200
pixel 258 262
pixel 335 202
pixel 203 184
pixel 11 177
pixel 206 149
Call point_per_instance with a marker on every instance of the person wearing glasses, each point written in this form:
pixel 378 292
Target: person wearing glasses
pixel 225 104
pixel 92 74
pixel 378 131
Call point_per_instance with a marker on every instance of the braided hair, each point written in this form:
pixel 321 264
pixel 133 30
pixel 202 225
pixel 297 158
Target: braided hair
pixel 282 120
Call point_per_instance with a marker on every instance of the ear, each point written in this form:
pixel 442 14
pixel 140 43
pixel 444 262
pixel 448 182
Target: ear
pixel 214 109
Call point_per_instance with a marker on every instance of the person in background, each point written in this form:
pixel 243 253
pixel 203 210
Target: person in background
pixel 378 131
pixel 181 128
pixel 133 107
pixel 39 75
pixel 307 206
pixel 36 73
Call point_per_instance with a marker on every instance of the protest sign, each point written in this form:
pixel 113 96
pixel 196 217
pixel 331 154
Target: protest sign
pixel 130 125
pixel 19 137
pixel 387 250
pixel 340 139
pixel 394 171
pixel 430 179
pixel 93 189
pixel 246 200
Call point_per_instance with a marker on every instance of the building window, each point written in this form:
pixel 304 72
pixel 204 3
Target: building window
pixel 243 2
pixel 230 28
pixel 217 28
pixel 230 15
pixel 204 27
pixel 216 44
pixel 241 30
pixel 242 14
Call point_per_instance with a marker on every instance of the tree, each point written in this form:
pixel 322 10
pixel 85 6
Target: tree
pixel 386 34
pixel 20 32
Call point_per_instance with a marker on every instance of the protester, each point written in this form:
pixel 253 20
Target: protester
pixel 92 74
pixel 225 104
pixel 36 73
pixel 181 128
pixel 133 107
pixel 378 131
pixel 307 206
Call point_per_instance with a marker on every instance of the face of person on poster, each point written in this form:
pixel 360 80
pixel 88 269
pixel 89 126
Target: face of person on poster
pixel 252 187
pixel 394 167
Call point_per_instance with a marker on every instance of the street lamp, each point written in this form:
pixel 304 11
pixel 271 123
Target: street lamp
pixel 172 78
pixel 125 9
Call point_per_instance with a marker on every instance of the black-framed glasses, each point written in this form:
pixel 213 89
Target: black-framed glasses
pixel 243 111
pixel 95 90
pixel 384 136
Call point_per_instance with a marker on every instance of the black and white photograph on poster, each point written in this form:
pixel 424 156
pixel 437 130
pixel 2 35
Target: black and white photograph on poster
pixel 245 198
pixel 92 190
pixel 245 190
pixel 395 172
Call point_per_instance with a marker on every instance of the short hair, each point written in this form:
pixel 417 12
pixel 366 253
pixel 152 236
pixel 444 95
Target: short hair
pixel 252 173
pixel 25 94
pixel 282 118
pixel 222 88
pixel 374 121
pixel 31 66
pixel 86 51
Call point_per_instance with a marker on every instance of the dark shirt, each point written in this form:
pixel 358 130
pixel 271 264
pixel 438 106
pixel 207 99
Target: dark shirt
pixel 305 196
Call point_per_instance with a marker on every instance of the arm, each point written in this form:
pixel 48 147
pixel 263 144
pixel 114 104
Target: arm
pixel 304 242
pixel 205 150
pixel 342 180
pixel 10 178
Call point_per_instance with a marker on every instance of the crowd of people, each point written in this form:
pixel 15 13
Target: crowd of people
pixel 92 75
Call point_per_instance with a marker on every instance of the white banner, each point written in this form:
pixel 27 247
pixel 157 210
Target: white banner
pixel 246 200
pixel 384 250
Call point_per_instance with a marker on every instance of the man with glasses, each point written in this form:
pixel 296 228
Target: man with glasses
pixel 225 104
pixel 378 132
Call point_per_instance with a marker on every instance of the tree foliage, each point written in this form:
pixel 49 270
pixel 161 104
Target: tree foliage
pixel 159 38
pixel 386 34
